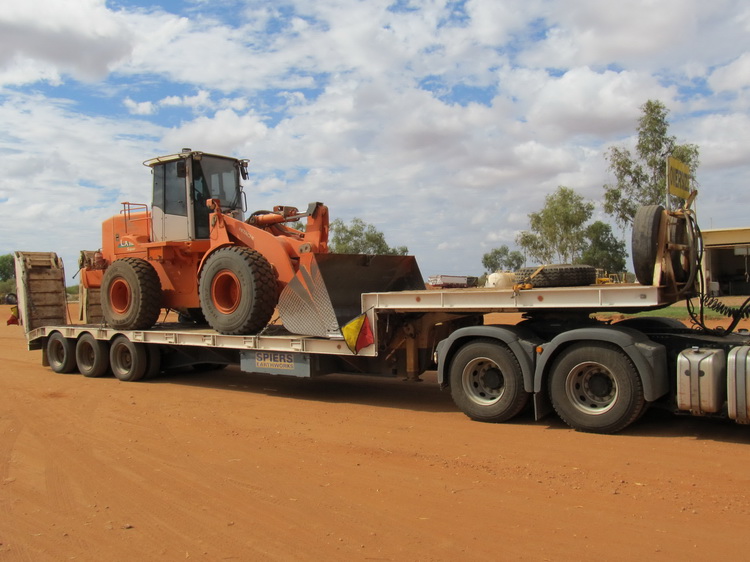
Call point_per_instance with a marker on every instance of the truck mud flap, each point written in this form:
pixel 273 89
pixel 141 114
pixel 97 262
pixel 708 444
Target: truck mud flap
pixel 327 291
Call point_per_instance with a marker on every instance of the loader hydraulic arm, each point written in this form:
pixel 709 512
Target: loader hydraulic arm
pixel 315 234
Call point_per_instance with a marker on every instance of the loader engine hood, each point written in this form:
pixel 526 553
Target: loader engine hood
pixel 326 292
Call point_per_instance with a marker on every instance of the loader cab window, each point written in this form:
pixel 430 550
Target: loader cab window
pixel 170 210
pixel 169 189
pixel 214 178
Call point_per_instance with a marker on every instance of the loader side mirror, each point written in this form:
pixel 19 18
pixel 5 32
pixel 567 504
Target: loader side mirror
pixel 181 169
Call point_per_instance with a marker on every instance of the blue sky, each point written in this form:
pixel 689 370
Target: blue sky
pixel 442 123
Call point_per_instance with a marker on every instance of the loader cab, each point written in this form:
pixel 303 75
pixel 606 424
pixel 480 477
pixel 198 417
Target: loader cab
pixel 183 183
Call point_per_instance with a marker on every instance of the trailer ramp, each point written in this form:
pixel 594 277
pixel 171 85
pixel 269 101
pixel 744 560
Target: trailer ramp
pixel 40 285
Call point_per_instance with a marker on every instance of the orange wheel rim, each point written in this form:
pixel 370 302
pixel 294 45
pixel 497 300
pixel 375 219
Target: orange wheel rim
pixel 119 295
pixel 226 291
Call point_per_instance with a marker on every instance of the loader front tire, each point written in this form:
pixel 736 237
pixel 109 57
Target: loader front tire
pixel 237 290
pixel 131 294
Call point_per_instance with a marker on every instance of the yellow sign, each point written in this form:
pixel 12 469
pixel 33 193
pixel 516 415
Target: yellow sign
pixel 678 178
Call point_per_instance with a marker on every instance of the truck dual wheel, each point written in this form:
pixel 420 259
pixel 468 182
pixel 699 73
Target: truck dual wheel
pixel 61 354
pixel 596 388
pixel 237 290
pixel 92 356
pixel 131 294
pixel 486 382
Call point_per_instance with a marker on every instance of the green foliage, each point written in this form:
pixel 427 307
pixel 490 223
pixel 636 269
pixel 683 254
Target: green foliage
pixel 557 232
pixel 641 179
pixel 602 249
pixel 360 238
pixel 7 286
pixel 502 259
pixel 7 268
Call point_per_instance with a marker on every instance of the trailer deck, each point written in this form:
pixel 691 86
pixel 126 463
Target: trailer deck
pixel 593 298
pixel 629 297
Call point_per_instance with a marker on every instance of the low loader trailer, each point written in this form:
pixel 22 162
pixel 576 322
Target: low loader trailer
pixel 597 375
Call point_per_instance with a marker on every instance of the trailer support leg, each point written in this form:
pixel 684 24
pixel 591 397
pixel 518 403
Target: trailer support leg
pixel 412 358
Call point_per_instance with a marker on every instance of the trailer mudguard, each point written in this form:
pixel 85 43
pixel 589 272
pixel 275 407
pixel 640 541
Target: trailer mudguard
pixel 519 340
pixel 649 358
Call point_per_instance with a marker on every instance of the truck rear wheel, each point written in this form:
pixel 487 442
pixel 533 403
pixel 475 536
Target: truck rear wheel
pixel 128 359
pixel 131 294
pixel 61 354
pixel 596 388
pixel 237 291
pixel 487 382
pixel 92 356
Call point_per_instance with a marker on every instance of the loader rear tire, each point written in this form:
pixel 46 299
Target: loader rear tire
pixel 131 294
pixel 237 290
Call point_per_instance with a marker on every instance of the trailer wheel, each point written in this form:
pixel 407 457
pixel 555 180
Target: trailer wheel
pixel 61 353
pixel 131 294
pixel 237 290
pixel 596 388
pixel 129 360
pixel 487 383
pixel 92 356
pixel 645 242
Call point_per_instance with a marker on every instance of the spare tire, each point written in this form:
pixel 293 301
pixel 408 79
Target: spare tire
pixel 645 242
pixel 559 275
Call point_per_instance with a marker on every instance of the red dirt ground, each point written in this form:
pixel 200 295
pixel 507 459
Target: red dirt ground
pixel 228 466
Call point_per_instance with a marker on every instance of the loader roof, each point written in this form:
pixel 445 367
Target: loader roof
pixel 186 153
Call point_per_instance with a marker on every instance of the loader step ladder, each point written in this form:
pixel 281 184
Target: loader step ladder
pixel 40 280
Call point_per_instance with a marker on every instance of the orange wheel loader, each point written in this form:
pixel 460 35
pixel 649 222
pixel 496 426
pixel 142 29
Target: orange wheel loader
pixel 192 252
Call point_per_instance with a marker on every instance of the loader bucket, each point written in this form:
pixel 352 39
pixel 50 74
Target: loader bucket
pixel 326 292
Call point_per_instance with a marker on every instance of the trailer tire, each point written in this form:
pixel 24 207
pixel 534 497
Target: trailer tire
pixel 486 382
pixel 92 356
pixel 596 388
pixel 645 242
pixel 131 294
pixel 61 353
pixel 238 291
pixel 128 359
pixel 561 275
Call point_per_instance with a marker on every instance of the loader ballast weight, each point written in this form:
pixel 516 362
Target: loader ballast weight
pixel 191 251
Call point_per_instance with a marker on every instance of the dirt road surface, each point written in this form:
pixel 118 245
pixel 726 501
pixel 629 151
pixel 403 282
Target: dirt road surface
pixel 228 466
